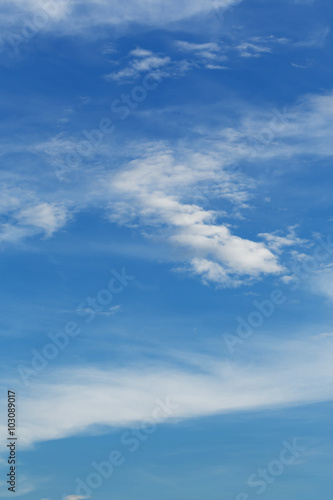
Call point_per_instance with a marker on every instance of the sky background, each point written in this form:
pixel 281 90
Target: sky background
pixel 166 221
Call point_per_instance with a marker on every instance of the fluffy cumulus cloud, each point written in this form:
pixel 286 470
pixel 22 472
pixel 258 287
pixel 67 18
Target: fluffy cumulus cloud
pixel 129 396
pixel 155 190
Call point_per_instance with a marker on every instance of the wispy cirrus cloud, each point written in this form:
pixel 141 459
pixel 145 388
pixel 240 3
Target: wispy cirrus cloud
pixel 207 55
pixel 128 395
pixel 259 45
pixel 75 16
pixel 210 48
pixel 44 216
pixel 143 61
pixel 305 128
pixel 222 49
pixel 316 39
pixel 277 241
pixel 210 54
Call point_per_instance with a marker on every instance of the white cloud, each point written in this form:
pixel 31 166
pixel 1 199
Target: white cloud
pixel 276 242
pixel 253 47
pixel 75 497
pixel 32 219
pixel 268 134
pixel 321 282
pixel 138 52
pixel 156 189
pixel 258 46
pixel 198 47
pixel 323 335
pixel 316 39
pixel 128 395
pixel 110 312
pixel 203 50
pixel 149 63
pixel 207 53
pixel 304 129
pixel 73 15
pixel 45 216
pixel 216 66
pixel 109 48
pixel 169 191
pixel 301 66
pixel 25 485
pixel 172 189
pixel 250 49
pixel 237 255
pixel 212 52
pixel 145 61
pixel 10 233
pixel 210 272
pixel 11 198
pixel 23 214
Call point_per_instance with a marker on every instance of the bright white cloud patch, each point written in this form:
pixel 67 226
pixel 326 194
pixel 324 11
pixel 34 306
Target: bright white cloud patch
pixel 25 218
pixel 45 216
pixel 156 190
pixel 209 271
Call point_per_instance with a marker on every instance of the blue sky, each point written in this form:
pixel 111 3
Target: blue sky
pixel 166 248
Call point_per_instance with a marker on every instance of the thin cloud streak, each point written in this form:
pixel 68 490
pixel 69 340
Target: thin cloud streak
pixel 127 395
